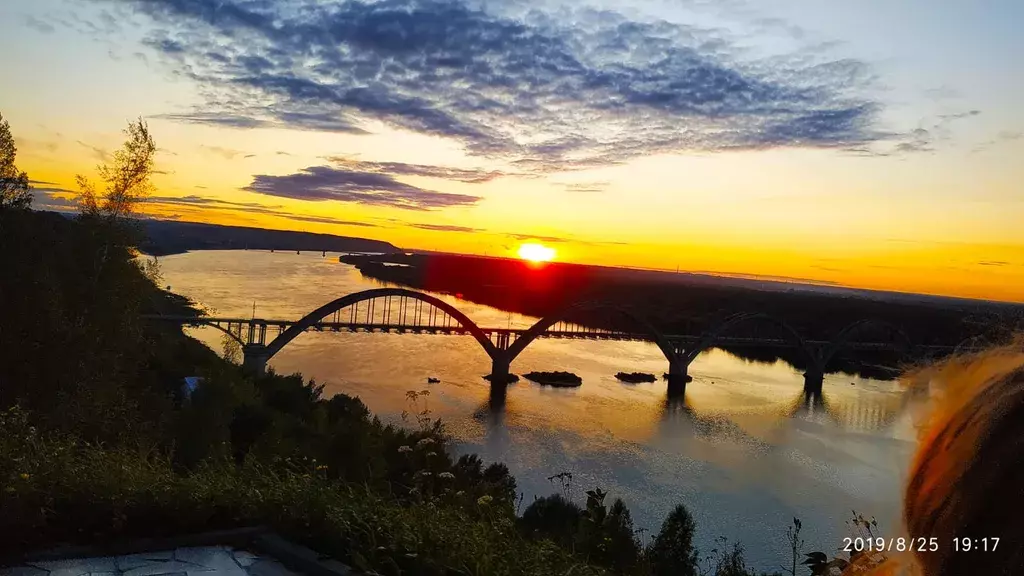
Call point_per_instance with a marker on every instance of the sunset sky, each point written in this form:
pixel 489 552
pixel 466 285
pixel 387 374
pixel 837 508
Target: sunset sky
pixel 876 144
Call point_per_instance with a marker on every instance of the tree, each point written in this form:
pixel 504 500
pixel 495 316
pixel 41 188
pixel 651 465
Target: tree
pixel 126 177
pixel 672 552
pixel 623 547
pixel 14 190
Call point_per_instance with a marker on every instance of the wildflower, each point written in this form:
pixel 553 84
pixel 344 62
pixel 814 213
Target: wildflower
pixel 446 475
pixel 404 449
pixel 431 454
pixel 484 500
pixel 425 442
pixel 460 493
pixel 25 476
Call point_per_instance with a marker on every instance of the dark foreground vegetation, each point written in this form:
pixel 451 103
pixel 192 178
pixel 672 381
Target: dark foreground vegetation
pixel 100 441
pixel 692 305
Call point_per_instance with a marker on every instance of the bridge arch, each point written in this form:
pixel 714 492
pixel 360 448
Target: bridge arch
pixel 309 320
pixel 843 337
pixel 542 325
pixel 710 338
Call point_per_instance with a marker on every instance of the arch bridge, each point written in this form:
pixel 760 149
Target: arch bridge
pixel 399 310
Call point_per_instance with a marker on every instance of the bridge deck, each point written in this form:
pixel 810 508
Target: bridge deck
pixel 580 332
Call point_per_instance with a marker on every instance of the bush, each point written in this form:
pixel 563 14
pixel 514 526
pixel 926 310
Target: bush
pixel 56 488
pixel 555 518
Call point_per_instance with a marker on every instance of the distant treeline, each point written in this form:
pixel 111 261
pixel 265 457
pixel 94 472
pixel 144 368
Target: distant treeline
pixel 684 304
pixel 167 237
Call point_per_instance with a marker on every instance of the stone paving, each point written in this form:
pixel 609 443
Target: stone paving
pixel 197 561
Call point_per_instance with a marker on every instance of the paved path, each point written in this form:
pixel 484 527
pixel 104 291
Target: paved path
pixel 199 561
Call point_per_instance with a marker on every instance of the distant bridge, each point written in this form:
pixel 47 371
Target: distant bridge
pixel 397 310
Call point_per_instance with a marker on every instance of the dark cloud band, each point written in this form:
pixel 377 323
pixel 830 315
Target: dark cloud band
pixel 350 184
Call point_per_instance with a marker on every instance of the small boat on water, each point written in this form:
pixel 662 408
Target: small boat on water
pixel 432 380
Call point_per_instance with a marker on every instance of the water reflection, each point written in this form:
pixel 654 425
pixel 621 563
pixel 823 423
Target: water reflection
pixel 744 447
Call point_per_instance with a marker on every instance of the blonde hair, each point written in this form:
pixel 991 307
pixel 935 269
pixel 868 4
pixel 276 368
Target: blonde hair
pixel 967 479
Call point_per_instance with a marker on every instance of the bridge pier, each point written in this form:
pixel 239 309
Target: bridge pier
pixel 254 359
pixel 678 377
pixel 501 372
pixel 814 380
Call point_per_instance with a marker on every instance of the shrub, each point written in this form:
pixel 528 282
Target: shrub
pixel 555 518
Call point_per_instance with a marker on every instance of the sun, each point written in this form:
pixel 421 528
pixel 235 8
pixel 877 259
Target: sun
pixel 536 253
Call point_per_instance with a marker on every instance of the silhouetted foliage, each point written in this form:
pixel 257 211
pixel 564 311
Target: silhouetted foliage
pixel 727 560
pixel 672 552
pixel 14 189
pixel 622 549
pixel 555 518
pixel 126 178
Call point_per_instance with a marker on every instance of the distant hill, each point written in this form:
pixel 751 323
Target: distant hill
pixel 170 237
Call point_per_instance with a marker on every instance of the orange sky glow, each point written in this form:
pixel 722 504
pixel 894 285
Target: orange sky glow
pixel 912 184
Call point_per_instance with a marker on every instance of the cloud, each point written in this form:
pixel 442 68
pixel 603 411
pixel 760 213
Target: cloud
pixel 444 228
pixel 994 263
pixel 27 144
pixel 344 184
pixel 328 220
pixel 52 197
pixel 101 154
pixel 39 25
pixel 544 91
pixel 943 93
pixel 282 153
pixel 1002 137
pixel 919 140
pixel 469 176
pixel 561 239
pixel 227 153
pixel 586 187
pixel 931 132
pixel 193 200
pixel 226 120
pixel 553 239
pixel 206 203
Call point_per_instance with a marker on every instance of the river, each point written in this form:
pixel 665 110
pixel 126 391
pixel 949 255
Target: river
pixel 741 450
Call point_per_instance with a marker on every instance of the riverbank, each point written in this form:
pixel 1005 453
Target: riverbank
pixel 163 238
